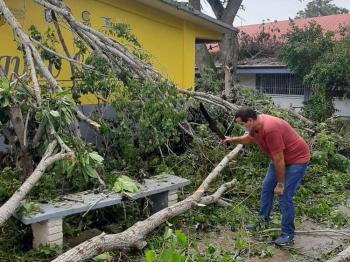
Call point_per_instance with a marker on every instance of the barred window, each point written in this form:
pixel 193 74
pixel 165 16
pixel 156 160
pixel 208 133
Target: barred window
pixel 281 84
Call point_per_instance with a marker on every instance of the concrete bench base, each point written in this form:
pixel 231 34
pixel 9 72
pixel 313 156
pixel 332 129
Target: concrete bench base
pixel 47 225
pixel 48 232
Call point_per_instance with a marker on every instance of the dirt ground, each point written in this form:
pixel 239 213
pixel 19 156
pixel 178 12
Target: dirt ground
pixel 306 247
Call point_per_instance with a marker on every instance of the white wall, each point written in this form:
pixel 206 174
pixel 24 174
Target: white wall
pixel 343 106
pixel 286 101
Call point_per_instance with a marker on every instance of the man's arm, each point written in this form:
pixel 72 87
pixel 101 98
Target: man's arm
pixel 280 166
pixel 244 140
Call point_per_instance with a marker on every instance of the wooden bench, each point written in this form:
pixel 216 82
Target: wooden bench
pixel 47 225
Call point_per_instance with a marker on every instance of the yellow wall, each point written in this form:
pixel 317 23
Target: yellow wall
pixel 169 40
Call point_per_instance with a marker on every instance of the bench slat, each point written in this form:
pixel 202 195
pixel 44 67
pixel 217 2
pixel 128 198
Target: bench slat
pixel 88 200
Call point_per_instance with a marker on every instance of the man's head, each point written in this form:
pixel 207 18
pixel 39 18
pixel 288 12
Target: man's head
pixel 246 117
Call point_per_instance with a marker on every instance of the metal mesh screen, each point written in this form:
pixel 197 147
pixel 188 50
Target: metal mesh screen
pixel 283 84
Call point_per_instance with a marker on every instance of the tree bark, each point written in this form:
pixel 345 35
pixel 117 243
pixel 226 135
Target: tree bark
pixel 24 158
pixel 135 235
pixel 209 98
pixel 342 256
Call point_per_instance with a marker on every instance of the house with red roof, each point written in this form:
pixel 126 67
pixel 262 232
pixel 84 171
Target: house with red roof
pixel 271 76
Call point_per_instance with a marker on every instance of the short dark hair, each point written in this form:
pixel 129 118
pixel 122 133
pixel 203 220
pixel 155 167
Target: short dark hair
pixel 245 113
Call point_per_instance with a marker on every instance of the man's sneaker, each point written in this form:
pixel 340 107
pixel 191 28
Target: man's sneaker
pixel 284 240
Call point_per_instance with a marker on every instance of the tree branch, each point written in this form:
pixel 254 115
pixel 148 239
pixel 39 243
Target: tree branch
pixel 62 56
pixel 230 11
pixel 219 192
pixel 30 64
pixel 135 235
pixel 25 143
pixel 217 8
pixel 210 98
pixel 63 43
pixel 86 119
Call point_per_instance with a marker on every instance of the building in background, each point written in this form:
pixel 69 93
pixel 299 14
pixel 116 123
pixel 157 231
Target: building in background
pixel 273 78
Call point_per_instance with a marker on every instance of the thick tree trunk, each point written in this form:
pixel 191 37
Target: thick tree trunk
pixel 135 235
pixel 228 60
pixel 24 158
pixel 229 44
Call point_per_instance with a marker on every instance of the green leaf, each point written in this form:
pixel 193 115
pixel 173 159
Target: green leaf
pixel 168 233
pixel 91 172
pixel 181 237
pixel 124 183
pixel 150 255
pixel 5 102
pixel 63 93
pixel 54 113
pixel 4 86
pixel 95 156
pixel 170 255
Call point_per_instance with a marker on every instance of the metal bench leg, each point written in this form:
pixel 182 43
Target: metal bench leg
pixel 48 232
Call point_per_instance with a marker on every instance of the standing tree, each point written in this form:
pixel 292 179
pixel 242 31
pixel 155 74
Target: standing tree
pixel 321 8
pixel 225 11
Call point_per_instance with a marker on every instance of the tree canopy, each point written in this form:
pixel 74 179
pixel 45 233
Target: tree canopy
pixel 322 62
pixel 321 8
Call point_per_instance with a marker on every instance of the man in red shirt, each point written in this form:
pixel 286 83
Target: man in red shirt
pixel 289 156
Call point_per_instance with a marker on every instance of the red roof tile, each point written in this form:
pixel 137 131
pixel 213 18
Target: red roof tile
pixel 328 23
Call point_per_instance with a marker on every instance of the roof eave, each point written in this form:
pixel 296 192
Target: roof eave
pixel 179 10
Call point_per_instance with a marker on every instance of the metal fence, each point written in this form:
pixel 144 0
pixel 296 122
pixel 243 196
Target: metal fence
pixel 279 84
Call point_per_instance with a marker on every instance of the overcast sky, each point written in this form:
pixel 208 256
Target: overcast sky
pixel 258 10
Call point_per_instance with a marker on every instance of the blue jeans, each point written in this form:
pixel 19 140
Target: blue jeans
pixel 293 176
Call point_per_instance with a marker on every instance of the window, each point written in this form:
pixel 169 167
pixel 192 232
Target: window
pixel 279 84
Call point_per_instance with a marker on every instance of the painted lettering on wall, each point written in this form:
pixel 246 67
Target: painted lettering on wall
pixel 14 64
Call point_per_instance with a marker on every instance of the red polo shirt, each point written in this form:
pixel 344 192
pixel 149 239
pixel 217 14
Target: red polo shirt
pixel 276 135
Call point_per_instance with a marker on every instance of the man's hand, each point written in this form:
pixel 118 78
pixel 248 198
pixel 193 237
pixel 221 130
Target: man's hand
pixel 226 140
pixel 244 140
pixel 279 189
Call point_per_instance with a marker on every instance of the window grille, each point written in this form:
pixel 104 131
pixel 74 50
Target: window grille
pixel 279 84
